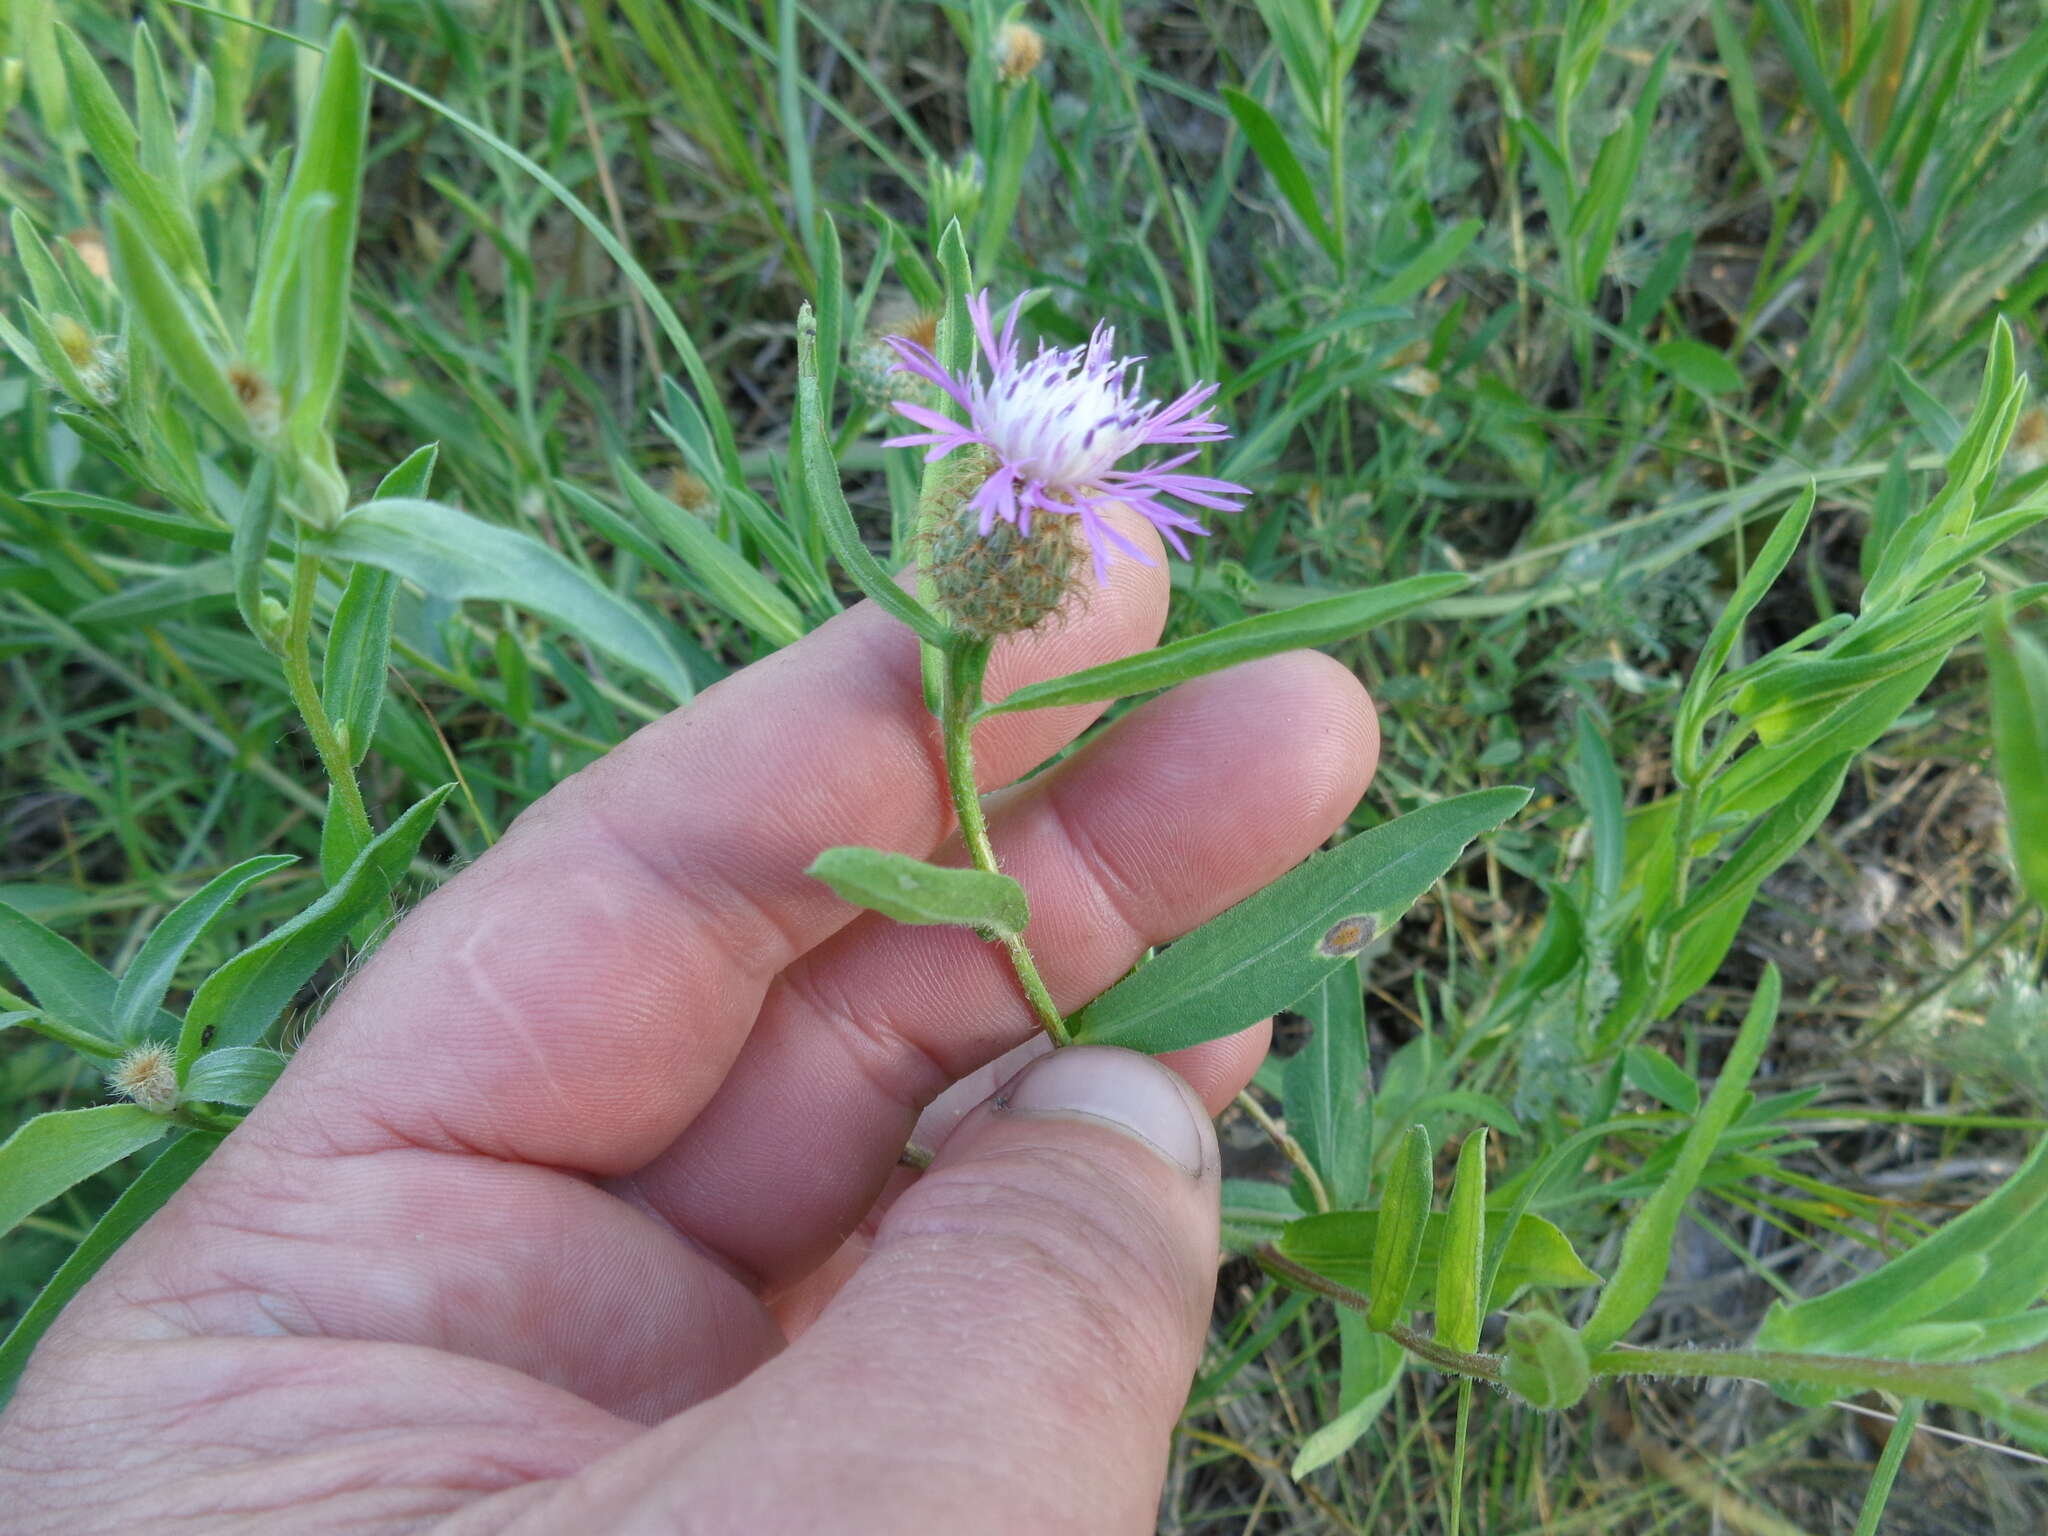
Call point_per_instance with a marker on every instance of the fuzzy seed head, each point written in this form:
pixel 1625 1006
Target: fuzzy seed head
pixel 688 492
pixel 148 1076
pixel 1001 582
pixel 1023 50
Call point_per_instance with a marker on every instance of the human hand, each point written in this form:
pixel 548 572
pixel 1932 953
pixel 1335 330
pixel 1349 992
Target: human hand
pixel 580 1209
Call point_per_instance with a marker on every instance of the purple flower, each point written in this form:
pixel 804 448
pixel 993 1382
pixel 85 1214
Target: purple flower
pixel 1057 425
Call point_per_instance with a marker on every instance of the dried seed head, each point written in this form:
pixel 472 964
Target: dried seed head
pixel 1005 580
pixel 147 1075
pixel 258 399
pixel 1022 51
pixel 688 492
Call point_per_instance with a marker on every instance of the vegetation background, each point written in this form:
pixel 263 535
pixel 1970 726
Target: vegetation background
pixel 1571 296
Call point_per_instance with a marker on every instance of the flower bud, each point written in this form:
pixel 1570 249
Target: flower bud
pixel 1003 581
pixel 1547 1365
pixel 148 1076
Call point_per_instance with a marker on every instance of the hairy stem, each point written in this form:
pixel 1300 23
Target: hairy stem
pixel 297 658
pixel 1968 1383
pixel 966 661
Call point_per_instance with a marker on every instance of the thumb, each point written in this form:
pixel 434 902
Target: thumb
pixel 1017 1348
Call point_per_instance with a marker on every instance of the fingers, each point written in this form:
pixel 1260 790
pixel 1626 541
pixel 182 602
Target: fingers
pixel 578 994
pixel 1177 813
pixel 1012 1357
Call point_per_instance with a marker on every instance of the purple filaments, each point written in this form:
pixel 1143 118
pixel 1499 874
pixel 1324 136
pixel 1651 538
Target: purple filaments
pixel 1057 424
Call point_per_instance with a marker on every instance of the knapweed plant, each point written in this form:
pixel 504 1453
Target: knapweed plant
pixel 1349 428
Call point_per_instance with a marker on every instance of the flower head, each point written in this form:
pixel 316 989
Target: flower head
pixel 147 1075
pixel 1057 425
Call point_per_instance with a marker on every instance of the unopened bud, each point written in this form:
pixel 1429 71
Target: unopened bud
pixel 271 614
pixel 1547 1365
pixel 147 1076
pixel 1022 51
pixel 1003 581
pixel 74 338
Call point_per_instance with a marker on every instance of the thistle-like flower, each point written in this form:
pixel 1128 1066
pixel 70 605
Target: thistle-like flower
pixel 1057 425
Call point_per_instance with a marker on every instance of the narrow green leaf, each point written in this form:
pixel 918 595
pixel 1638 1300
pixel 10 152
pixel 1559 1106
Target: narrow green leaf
pixel 1646 1249
pixel 254 521
pixel 1323 622
pixel 1701 931
pixel 119 514
pixel 1461 1262
pixel 75 989
pixel 239 1002
pixel 912 891
pixel 828 497
pixel 1369 1368
pixel 1340 1245
pixel 1697 366
pixel 148 977
pixel 719 570
pixel 52 1152
pixel 237 1074
pixel 1270 145
pixel 2019 731
pixel 159 209
pixel 298 312
pixel 1269 949
pixel 352 672
pixel 142 1199
pixel 1654 1073
pixel 1762 574
pixel 1429 264
pixel 412 476
pixel 1327 1088
pixel 1397 1237
pixel 162 314
pixel 456 557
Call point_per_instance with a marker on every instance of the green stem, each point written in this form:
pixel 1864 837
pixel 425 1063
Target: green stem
pixel 965 663
pixel 297 658
pixel 1967 1383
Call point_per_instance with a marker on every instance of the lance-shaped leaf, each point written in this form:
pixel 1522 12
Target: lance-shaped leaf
pixel 160 310
pixel 1460 1308
pixel 1340 1246
pixel 1646 1249
pixel 158 206
pixel 2019 728
pixel 912 891
pixel 298 314
pixel 1323 622
pixel 1270 948
pixel 68 983
pixel 1397 1236
pixel 828 497
pixel 239 1074
pixel 241 1000
pixel 52 1152
pixel 451 555
pixel 165 1175
pixel 148 976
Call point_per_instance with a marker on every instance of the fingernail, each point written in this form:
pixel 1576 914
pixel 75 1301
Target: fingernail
pixel 1120 1089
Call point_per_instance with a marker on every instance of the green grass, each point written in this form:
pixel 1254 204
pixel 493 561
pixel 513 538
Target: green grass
pixel 1574 298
